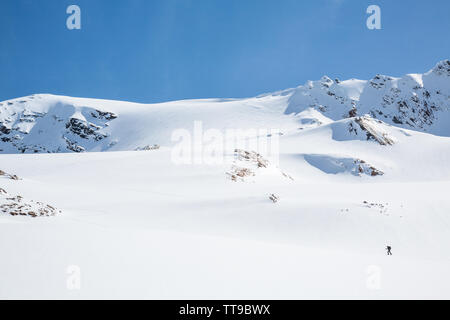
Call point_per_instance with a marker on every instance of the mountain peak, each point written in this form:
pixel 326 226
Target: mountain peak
pixel 48 123
pixel 442 68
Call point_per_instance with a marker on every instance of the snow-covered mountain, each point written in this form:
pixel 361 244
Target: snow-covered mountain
pixel 48 123
pixel 414 101
pixel 361 165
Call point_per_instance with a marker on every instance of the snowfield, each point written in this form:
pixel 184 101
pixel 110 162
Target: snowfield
pixel 133 223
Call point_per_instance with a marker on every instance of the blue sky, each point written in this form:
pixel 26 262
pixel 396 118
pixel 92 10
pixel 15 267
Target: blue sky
pixel 159 50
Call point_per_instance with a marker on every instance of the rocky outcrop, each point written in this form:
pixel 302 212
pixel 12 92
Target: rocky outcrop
pixel 148 148
pixel 442 68
pixel 247 164
pixel 84 129
pixel 9 176
pixel 340 165
pixel 363 168
pixel 251 156
pixel 414 101
pixel 18 206
pixel 369 127
pixel 26 127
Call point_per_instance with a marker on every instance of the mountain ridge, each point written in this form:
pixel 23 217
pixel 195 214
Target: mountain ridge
pixel 45 123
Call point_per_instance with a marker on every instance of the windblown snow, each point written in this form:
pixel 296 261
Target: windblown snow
pixel 92 186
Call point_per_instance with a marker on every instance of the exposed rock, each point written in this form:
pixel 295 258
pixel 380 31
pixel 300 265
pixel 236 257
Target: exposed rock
pixel 10 176
pixel 352 113
pixel 382 208
pixel 239 173
pixel 104 115
pixel 367 169
pixel 251 156
pixel 148 148
pixel 442 68
pixel 84 129
pixel 337 165
pixel 4 129
pixel 18 206
pixel 379 81
pixel 247 164
pixel 369 126
pixel 414 101
pixel 75 129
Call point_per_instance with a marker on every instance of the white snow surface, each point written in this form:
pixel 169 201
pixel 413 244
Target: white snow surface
pixel 138 225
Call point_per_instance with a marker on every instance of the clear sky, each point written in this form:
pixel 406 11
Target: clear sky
pixel 159 50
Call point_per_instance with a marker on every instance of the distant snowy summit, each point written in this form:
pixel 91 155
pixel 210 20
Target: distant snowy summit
pixel 415 101
pixel 49 124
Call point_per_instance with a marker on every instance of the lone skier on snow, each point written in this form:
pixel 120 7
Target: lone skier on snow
pixel 389 248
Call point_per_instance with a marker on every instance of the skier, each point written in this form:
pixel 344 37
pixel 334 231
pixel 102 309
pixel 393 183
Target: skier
pixel 389 248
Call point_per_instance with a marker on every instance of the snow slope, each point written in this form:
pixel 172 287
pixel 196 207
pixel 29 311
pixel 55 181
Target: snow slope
pixel 139 227
pixel 136 224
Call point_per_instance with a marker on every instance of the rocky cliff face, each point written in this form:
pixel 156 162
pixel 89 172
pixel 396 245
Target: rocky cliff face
pixel 415 101
pixel 35 124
